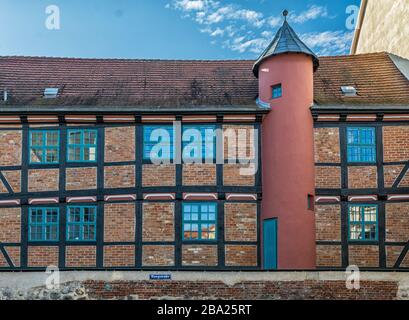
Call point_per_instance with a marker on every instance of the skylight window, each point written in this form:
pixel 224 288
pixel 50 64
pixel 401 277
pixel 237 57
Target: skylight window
pixel 50 93
pixel 349 91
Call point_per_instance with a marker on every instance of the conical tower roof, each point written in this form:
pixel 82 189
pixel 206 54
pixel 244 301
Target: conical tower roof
pixel 285 41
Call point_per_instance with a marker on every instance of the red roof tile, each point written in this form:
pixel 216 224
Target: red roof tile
pixel 176 83
pixel 375 76
pixel 129 82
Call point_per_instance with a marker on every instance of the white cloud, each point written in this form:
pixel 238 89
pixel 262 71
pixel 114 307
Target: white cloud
pixel 328 42
pixel 313 12
pixel 243 30
pixel 191 5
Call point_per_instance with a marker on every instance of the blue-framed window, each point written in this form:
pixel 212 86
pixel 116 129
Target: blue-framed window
pixel 277 91
pixel 199 137
pixel 363 222
pixel 82 145
pixel 361 144
pixel 43 224
pixel 200 221
pixel 44 146
pixel 158 143
pixel 81 223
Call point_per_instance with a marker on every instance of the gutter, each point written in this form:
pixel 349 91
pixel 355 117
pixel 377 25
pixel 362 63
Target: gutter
pixel 362 11
pixel 359 109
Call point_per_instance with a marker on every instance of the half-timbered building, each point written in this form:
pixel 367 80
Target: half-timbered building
pixel 302 162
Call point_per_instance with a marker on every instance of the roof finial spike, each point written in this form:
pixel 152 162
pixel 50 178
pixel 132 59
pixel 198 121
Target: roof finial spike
pixel 285 14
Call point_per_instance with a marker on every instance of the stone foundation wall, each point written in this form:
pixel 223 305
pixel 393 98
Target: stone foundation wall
pixel 209 285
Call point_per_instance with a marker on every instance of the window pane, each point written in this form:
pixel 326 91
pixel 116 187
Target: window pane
pixel 361 144
pixel 370 232
pixel 88 232
pixel 51 232
pixel 74 215
pixel 152 135
pixel 51 138
pixel 36 155
pixel 354 214
pixel 51 155
pixel 89 215
pixel 74 153
pixel 36 233
pixel 89 154
pixel 37 216
pixel 36 138
pixel 74 232
pixel 90 137
pixel 74 137
pixel 355 232
pixel 370 214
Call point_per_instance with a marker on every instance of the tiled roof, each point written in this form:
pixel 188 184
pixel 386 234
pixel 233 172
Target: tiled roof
pixel 375 76
pixel 128 82
pixel 285 41
pixel 189 83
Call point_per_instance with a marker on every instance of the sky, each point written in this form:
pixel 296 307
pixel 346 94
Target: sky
pixel 170 29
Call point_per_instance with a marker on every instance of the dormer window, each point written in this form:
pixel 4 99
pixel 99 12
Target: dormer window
pixel 277 91
pixel 50 93
pixel 349 91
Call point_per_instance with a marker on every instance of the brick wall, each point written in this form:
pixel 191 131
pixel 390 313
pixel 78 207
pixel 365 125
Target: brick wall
pixel 119 144
pixel 119 222
pixel 328 222
pixel 158 175
pixel 40 180
pixel 119 177
pixel 240 221
pixel 81 178
pixel 158 255
pixel 244 290
pixel 241 143
pixel 362 177
pixel 391 173
pixel 158 222
pixel 392 255
pixel 199 174
pixel 397 221
pixel 199 255
pixel 14 255
pixel 81 256
pixel 10 224
pixel 363 255
pixel 233 177
pixel 10 146
pixel 119 256
pixel 13 177
pixel 42 256
pixel 241 255
pixel 396 143
pixel 327 177
pixel 405 181
pixel 327 146
pixel 329 256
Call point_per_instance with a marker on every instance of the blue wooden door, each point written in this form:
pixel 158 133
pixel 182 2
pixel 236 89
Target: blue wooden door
pixel 270 244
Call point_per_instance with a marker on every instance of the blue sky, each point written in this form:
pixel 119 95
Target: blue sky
pixel 169 29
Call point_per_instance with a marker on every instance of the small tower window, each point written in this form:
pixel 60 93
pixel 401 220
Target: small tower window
pixel 277 91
